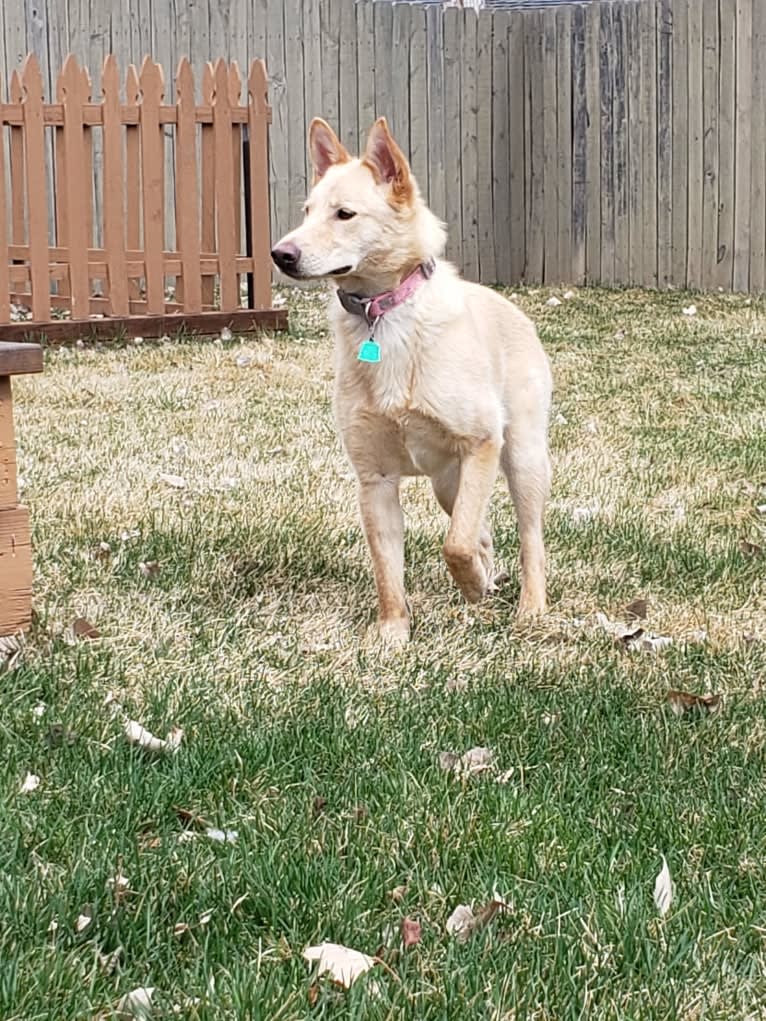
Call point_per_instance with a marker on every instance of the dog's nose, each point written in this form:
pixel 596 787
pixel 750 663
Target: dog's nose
pixel 286 255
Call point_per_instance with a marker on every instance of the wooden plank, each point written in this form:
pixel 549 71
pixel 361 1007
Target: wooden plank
pixel 349 84
pixel 400 106
pixel 34 165
pixel 296 114
pixel 469 148
pixel 259 182
pixel 435 106
pixel 592 146
pixel 710 143
pixel 579 146
pixel 453 206
pixel 329 16
pixel 187 190
pixel 635 148
pixel 365 71
pixel 114 177
pixel 15 570
pixel 647 18
pixel 206 324
pixel 620 143
pixel 664 143
pixel 517 142
pixel 5 309
pixel 727 82
pixel 418 143
pixel 551 272
pixel 207 186
pixel 281 213
pixel 742 144
pixel 152 84
pixel 564 143
pixel 235 95
pixel 132 172
pixel 224 198
pixel 606 81
pixel 501 152
pixel 8 473
pixel 486 212
pixel 385 57
pixel 312 67
pixel 758 153
pixel 680 142
pixel 16 163
pixel 695 186
pixel 534 148
pixel 20 359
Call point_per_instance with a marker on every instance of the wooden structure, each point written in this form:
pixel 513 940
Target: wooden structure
pixel 619 142
pixel 15 549
pixel 67 275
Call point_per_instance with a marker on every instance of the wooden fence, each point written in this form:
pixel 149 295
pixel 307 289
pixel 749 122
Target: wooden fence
pixel 52 272
pixel 616 143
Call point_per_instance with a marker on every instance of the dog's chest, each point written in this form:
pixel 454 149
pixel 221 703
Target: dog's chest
pixel 392 383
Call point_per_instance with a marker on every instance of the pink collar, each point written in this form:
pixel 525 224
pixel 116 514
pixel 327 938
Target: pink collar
pixel 371 309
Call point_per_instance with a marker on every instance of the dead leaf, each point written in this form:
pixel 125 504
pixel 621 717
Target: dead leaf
pixel 139 735
pixel 174 481
pixel 110 962
pixel 136 1004
pixel 31 783
pixel 101 551
pixel 313 994
pixel 475 760
pixel 221 836
pixel 637 609
pixel 341 963
pixel 318 806
pixel 149 568
pixel 464 922
pixel 647 642
pixel 398 893
pixel 663 889
pixel 411 932
pixel 683 702
pixel 448 761
pixel 83 920
pixel 11 648
pixel 82 628
pixel 750 549
pixel 181 928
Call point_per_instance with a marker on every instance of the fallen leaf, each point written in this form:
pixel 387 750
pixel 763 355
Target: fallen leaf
pixel 136 1004
pixel 568 295
pixel 11 648
pixel 313 994
pixel 689 310
pixel 448 760
pixel 503 778
pixel 464 922
pixel 181 928
pixel 83 921
pixel 550 719
pixel 637 609
pixel 398 893
pixel 475 760
pixel 683 702
pixel 411 932
pixel 31 783
pixel 149 568
pixel 102 551
pixel 205 917
pixel 109 962
pixel 644 642
pixel 663 889
pixel 221 836
pixel 318 806
pixel 82 628
pixel 761 508
pixel 226 334
pixel 39 710
pixel 580 515
pixel 343 965
pixel 553 302
pixel 174 481
pixel 53 927
pixel 750 549
pixel 139 735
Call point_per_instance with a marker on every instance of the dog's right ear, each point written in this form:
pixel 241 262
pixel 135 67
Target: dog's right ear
pixel 325 148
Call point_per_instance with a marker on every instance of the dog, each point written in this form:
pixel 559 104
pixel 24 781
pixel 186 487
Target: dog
pixel 434 375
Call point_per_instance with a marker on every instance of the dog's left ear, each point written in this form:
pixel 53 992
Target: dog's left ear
pixel 325 147
pixel 388 163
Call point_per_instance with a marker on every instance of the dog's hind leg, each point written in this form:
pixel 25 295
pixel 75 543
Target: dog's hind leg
pixel 445 487
pixel 526 466
pixel 470 561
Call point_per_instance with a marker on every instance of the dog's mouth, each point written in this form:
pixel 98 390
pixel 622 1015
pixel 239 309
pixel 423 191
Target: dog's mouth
pixel 341 271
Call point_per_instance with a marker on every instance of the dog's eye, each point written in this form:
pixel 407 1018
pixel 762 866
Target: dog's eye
pixel 345 214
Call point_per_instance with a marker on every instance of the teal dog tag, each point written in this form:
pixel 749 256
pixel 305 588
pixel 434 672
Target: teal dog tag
pixel 369 351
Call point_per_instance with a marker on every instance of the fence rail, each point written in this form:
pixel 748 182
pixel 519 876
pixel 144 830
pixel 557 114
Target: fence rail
pixel 51 265
pixel 619 142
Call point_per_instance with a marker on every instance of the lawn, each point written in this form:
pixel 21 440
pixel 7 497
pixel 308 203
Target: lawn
pixel 191 501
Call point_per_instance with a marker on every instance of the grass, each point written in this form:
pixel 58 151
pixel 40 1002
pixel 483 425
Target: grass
pixel 323 754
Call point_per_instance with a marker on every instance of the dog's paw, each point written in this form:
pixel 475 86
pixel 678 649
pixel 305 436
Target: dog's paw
pixel 394 634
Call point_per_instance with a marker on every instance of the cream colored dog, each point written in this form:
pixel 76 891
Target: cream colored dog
pixel 434 375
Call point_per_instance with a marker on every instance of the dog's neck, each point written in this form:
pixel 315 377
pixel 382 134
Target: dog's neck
pixel 369 287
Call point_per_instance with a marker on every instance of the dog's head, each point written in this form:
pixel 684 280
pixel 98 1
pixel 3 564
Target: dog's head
pixel 365 222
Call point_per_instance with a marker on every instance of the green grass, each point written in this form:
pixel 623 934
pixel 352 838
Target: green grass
pixel 254 637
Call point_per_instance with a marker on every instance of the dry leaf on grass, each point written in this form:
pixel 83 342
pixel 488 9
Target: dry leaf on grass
pixel 411 932
pixel 475 760
pixel 83 920
pixel 149 568
pixel 637 609
pixel 82 628
pixel 139 735
pixel 464 921
pixel 398 893
pixel 31 783
pixel 663 889
pixel 684 702
pixel 174 481
pixel 750 549
pixel 221 836
pixel 553 302
pixel 341 963
pixel 689 310
pixel 11 648
pixel 136 1004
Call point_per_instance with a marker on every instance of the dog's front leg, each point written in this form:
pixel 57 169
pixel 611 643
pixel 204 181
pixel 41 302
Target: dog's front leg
pixel 383 525
pixel 462 551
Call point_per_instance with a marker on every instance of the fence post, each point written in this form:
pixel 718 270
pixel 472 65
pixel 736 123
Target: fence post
pixel 34 131
pixel 187 189
pixel 114 198
pixel 259 118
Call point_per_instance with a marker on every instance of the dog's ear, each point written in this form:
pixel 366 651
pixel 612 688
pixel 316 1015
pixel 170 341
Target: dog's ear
pixel 388 163
pixel 325 147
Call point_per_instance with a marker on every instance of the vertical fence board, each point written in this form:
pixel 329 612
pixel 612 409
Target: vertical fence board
pixel 680 141
pixel 647 17
pixel 400 105
pixel 312 66
pixel 366 72
pixel 517 135
pixel 152 179
pixel 551 272
pixel 434 107
pixel 418 140
pixel 4 279
pixel 579 145
pixel 534 149
pixel 727 81
pixel 259 182
pixel 695 185
pixel 606 81
pixel 207 162
pixel 593 145
pixel 486 214
pixel 281 213
pixel 710 83
pixel 665 122
pixel 224 199
pixel 620 148
pixel 187 189
pixel 35 186
pixel 296 134
pixel 453 206
pixel 383 39
pixel 564 143
pixel 329 19
pixel 501 154
pixel 742 145
pixel 348 125
pixel 133 172
pixel 469 140
pixel 635 149
pixel 757 280
pixel 113 199
pixel 18 188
